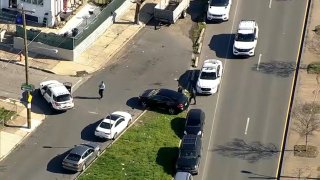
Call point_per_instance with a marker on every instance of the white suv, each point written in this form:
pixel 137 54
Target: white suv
pixel 246 38
pixel 209 77
pixel 57 95
pixel 219 10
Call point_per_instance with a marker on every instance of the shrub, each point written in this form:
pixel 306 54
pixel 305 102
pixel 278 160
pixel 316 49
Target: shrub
pixel 313 68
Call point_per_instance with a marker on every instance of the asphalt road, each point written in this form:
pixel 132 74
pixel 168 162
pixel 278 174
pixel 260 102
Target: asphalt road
pixel 245 120
pixel 14 75
pixel 153 59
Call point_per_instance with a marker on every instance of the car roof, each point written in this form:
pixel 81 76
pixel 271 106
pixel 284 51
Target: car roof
pixel 195 115
pixel 182 176
pixel 56 87
pixel 169 93
pixel 246 26
pixel 189 141
pixel 80 149
pixel 210 65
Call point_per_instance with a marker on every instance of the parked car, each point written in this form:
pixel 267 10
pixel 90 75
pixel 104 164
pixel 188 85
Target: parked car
pixel 57 95
pixel 183 176
pixel 194 122
pixel 81 156
pixel 189 154
pixel 170 100
pixel 246 38
pixel 111 126
pixel 219 10
pixel 210 77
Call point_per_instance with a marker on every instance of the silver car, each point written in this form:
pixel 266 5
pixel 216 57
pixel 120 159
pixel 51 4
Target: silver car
pixel 81 156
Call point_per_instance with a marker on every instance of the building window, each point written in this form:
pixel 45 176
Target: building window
pixel 36 2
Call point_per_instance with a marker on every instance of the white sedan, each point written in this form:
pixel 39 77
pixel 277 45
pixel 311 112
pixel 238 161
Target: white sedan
pixel 111 126
pixel 210 77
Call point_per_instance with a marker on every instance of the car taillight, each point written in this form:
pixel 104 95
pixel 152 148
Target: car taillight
pixel 180 106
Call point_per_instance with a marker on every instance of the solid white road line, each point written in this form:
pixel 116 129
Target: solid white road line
pixel 259 62
pixel 218 96
pixel 247 125
pixel 270 2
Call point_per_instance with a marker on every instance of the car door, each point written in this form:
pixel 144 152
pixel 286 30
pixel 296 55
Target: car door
pixel 47 95
pixel 90 155
pixel 155 101
pixel 168 103
pixel 117 126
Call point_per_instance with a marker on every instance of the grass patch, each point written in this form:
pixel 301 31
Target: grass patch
pixel 313 68
pixel 5 115
pixel 305 151
pixel 148 150
pixel 196 33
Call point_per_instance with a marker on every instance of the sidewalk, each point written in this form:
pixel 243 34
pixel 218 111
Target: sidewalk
pixel 100 52
pixel 307 90
pixel 91 60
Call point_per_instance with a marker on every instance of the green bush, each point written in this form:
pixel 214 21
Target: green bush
pixel 5 115
pixel 313 68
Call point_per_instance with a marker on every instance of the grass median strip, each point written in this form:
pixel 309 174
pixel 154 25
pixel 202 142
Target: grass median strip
pixel 148 150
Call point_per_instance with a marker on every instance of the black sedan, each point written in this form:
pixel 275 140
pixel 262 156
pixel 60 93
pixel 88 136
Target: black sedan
pixel 194 122
pixel 170 100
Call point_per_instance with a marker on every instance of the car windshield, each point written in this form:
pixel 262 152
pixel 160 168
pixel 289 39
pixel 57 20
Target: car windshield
pixel 187 153
pixel 245 37
pixel 112 117
pixel 74 157
pixel 208 75
pixel 65 97
pixel 219 2
pixel 194 122
pixel 105 125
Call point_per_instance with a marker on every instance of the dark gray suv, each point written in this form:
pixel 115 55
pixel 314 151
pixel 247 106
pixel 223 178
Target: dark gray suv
pixel 81 156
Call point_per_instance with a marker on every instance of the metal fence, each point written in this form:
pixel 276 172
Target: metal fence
pixel 71 43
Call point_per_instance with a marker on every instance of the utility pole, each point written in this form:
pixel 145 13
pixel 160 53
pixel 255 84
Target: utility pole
pixel 27 91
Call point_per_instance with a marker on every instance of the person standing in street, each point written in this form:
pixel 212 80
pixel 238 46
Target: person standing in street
pixel 193 95
pixel 102 86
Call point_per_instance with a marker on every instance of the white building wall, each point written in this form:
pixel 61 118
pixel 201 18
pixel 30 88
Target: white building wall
pixel 71 55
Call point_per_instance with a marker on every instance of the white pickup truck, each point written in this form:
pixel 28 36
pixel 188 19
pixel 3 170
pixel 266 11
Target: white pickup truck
pixel 57 95
pixel 169 11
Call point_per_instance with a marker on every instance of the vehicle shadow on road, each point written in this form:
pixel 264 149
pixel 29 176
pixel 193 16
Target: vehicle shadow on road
pixel 87 133
pixel 55 164
pixel 134 103
pixel 39 105
pixel 177 125
pixel 222 44
pixel 167 157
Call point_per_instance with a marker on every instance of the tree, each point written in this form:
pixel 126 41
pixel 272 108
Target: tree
pixel 306 119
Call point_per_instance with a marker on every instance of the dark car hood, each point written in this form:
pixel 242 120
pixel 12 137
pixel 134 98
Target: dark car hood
pixel 193 129
pixel 187 162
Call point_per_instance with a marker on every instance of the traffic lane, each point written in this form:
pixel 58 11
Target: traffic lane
pixel 12 76
pixel 265 108
pixel 151 55
pixel 245 119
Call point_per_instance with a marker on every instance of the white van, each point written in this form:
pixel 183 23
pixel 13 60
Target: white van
pixel 57 95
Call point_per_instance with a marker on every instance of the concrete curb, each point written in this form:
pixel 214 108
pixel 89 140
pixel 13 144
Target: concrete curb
pixel 22 64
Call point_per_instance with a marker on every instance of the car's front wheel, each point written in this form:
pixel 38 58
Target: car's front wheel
pixel 115 136
pixel 172 111
pixel 84 167
pixel 143 104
